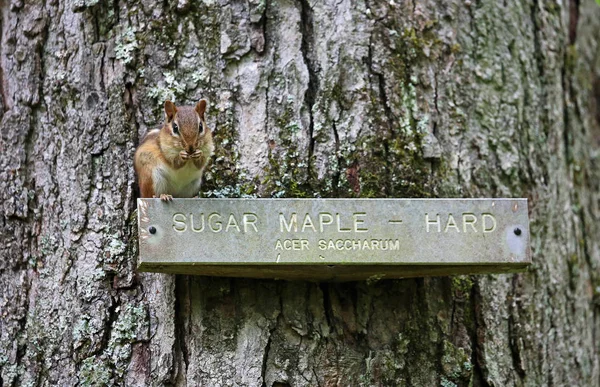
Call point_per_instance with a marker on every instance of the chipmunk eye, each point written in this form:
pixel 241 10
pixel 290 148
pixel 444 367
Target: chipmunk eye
pixel 200 128
pixel 175 128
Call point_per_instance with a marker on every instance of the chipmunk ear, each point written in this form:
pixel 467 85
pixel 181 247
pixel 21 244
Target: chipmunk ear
pixel 201 108
pixel 170 110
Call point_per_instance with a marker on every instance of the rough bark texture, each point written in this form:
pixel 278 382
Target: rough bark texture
pixel 322 98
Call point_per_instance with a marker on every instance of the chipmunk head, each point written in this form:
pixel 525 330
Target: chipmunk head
pixel 185 126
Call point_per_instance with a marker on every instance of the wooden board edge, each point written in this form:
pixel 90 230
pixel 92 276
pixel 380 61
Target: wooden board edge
pixel 331 273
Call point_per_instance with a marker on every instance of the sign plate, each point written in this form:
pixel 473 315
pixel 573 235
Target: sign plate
pixel 333 239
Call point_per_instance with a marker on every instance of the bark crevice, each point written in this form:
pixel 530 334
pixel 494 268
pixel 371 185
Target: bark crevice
pixel 478 338
pixel 182 326
pixel 513 331
pixel 307 47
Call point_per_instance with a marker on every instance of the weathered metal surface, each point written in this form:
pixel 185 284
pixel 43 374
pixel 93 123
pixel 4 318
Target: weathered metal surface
pixel 333 239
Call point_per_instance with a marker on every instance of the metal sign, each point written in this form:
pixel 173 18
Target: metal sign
pixel 329 239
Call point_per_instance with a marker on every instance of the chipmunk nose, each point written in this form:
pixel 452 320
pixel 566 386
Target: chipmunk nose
pixel 190 149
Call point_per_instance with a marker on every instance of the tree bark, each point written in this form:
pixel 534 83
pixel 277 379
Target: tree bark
pixel 307 99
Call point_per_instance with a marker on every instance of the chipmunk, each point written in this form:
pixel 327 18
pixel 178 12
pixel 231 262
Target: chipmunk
pixel 170 161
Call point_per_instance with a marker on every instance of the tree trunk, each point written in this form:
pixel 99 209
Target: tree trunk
pixel 307 99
